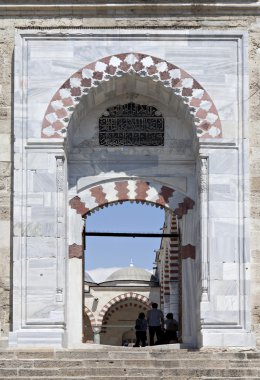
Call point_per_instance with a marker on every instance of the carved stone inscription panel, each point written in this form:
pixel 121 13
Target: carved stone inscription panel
pixel 131 125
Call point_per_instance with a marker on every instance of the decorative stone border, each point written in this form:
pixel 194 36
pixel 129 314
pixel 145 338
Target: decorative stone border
pixel 130 190
pixel 120 298
pixel 64 101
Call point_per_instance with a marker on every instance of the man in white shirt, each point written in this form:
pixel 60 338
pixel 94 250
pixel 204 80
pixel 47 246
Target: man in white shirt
pixel 155 322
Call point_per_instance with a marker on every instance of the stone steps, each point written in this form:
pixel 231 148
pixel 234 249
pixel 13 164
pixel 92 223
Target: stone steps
pixel 132 363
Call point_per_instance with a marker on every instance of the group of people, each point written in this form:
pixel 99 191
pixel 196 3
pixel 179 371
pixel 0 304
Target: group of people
pixel 164 330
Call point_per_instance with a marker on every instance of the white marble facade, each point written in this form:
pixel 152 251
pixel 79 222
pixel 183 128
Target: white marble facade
pixel 49 172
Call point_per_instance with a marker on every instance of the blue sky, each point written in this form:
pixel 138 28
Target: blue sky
pixel 106 254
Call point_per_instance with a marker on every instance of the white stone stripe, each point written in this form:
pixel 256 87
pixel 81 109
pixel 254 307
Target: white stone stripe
pixel 110 191
pixel 89 200
pixel 131 189
pixel 152 193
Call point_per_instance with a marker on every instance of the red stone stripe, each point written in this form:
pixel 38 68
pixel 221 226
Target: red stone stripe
pixel 183 208
pixel 122 190
pixel 164 195
pixel 78 205
pixel 188 251
pixel 141 190
pixel 75 251
pixel 99 195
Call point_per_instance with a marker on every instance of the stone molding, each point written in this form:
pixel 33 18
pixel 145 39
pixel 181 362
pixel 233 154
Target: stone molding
pixel 64 101
pixel 108 7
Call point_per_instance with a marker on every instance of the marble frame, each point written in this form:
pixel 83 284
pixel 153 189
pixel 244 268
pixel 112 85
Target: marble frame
pixel 235 328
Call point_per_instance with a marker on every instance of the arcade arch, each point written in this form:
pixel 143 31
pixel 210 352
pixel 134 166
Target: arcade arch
pixel 119 319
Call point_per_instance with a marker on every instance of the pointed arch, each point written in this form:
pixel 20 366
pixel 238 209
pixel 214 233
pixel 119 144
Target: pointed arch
pixel 64 101
pixel 137 190
pixel 122 297
pixel 131 190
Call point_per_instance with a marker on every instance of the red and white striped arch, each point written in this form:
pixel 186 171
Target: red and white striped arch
pixel 122 297
pixel 90 316
pixel 120 191
pixel 64 101
pixel 131 190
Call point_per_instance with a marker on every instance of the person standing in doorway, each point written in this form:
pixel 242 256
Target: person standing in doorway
pixel 155 322
pixel 171 328
pixel 140 330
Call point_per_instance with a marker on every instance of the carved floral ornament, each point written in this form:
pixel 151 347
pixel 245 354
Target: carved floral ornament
pixel 64 101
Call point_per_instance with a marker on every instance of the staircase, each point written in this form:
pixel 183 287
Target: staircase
pixel 153 363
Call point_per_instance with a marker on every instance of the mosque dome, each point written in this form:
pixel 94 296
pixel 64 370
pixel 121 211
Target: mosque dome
pixel 88 278
pixel 133 274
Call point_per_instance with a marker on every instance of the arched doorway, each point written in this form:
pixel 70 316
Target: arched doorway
pixel 162 196
pixel 117 167
pixel 76 174
pixel 118 322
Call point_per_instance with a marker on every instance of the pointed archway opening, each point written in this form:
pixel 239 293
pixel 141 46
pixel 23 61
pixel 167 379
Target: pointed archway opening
pixel 164 285
pixel 133 137
pixel 123 264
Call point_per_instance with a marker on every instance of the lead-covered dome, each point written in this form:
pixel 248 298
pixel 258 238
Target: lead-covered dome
pixel 132 274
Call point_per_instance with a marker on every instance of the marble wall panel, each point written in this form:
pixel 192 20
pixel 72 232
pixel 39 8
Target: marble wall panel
pixel 41 247
pixel 41 274
pixel 43 214
pixel 223 162
pixel 220 209
pixel 226 287
pixel 38 161
pixel 230 271
pixel 41 229
pixel 226 303
pixel 222 317
pixel 43 181
pixel 223 248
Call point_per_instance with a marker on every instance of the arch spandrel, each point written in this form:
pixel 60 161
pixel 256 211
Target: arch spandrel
pixel 63 103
